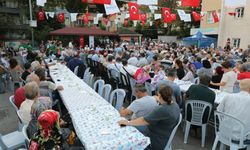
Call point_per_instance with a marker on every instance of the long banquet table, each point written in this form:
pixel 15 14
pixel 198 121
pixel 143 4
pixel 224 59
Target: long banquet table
pixel 94 119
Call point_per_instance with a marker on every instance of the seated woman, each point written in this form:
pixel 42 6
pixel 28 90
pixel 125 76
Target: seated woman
pixel 180 69
pixel 161 121
pixel 190 74
pixel 48 137
pixel 216 78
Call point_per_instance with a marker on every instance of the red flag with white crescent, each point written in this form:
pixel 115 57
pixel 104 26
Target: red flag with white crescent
pixel 134 11
pixel 166 13
pixel 41 15
pixel 215 16
pixel 173 17
pixel 102 2
pixel 60 17
pixel 196 16
pixel 190 3
pixel 143 17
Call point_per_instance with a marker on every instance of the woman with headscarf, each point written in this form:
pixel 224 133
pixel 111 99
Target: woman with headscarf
pixel 48 136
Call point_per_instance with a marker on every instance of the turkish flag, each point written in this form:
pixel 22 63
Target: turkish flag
pixel 41 15
pixel 215 16
pixel 134 11
pixel 232 13
pixel 196 16
pixel 102 2
pixel 166 13
pixel 143 17
pixel 86 18
pixel 173 17
pixel 81 42
pixel 191 3
pixel 125 22
pixel 60 17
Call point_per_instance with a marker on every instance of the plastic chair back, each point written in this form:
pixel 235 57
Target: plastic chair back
pixel 91 80
pixel 226 134
pixel 24 130
pixel 20 117
pixel 198 108
pixel 98 86
pixel 149 88
pixel 86 74
pixel 76 70
pixel 169 144
pixel 117 98
pixel 197 80
pixel 106 91
pixel 12 101
pixel 2 145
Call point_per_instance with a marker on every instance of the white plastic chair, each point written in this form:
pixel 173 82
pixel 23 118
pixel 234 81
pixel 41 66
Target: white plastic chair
pixel 224 133
pixel 118 95
pixel 12 101
pixel 197 80
pixel 20 118
pixel 76 70
pixel 24 131
pixel 20 124
pixel 106 91
pixel 198 108
pixel 169 144
pixel 85 76
pixel 91 80
pixel 98 86
pixel 12 141
pixel 149 88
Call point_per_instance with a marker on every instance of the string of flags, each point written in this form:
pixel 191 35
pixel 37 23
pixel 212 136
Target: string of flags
pixel 133 13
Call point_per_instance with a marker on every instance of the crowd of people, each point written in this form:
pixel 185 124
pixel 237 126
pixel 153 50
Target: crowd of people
pixel 157 63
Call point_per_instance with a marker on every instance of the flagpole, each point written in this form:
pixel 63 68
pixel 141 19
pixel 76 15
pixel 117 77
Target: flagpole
pixel 221 23
pixel 32 31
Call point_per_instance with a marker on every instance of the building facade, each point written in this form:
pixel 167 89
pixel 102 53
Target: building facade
pixel 235 25
pixel 14 25
pixel 207 25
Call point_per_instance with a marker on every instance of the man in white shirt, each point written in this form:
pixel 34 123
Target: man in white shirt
pixel 237 105
pixel 142 60
pixel 126 69
pixel 133 60
pixel 31 94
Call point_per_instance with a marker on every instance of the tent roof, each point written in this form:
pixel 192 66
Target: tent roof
pixel 198 37
pixel 81 31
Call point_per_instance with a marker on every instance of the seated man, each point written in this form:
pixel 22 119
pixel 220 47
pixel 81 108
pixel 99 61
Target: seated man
pixel 126 69
pixel 74 62
pixel 237 105
pixel 143 105
pixel 171 75
pixel 201 91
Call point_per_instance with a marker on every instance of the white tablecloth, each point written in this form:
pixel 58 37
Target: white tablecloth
pixel 94 119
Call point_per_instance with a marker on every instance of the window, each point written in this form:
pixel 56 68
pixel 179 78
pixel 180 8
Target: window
pixel 239 12
pixel 210 18
pixel 236 42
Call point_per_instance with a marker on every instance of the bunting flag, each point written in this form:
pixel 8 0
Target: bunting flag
pixel 183 16
pixel 81 41
pixel 153 8
pixel 232 13
pixel 143 17
pixel 102 2
pixel 60 17
pixel 41 15
pixel 190 3
pixel 125 22
pixel 196 16
pixel 86 18
pixel 147 2
pixel 40 2
pixel 173 16
pixel 215 16
pixel 157 16
pixel 50 14
pixel 150 23
pixel 134 11
pixel 112 8
pixel 166 15
pixel 73 17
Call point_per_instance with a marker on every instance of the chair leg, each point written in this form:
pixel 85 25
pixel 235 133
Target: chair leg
pixel 222 146
pixel 216 140
pixel 186 132
pixel 203 134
